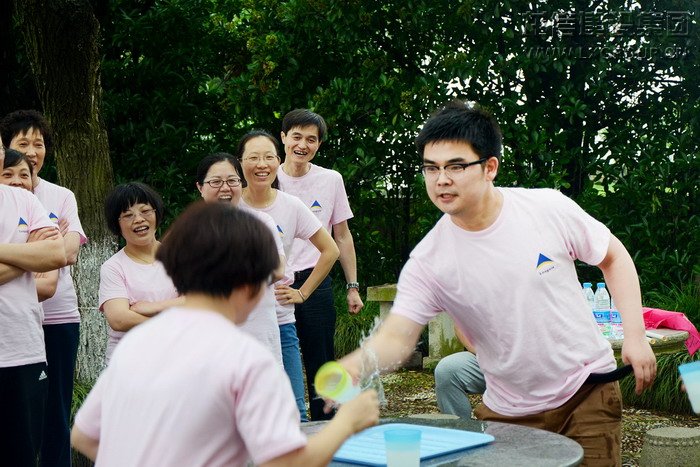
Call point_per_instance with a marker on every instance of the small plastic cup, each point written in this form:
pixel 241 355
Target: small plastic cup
pixel 690 373
pixel 402 447
pixel 333 382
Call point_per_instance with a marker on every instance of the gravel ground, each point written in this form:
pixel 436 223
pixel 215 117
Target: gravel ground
pixel 411 392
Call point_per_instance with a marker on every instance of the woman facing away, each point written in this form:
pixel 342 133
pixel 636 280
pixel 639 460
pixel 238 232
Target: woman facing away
pixel 189 387
pixel 133 284
pixel 220 180
pixel 260 160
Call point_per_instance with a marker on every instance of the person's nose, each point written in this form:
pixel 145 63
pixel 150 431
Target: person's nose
pixel 443 178
pixel 16 181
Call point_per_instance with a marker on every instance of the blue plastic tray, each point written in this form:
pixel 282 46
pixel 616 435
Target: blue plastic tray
pixel 367 447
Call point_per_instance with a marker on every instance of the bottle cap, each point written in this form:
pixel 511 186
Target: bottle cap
pixel 600 285
pixel 587 285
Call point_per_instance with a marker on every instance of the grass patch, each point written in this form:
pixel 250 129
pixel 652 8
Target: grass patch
pixel 665 395
pixel 684 299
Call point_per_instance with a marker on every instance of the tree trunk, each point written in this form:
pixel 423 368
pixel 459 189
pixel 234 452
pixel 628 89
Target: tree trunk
pixel 62 43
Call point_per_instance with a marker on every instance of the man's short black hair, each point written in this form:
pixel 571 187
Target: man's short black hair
pixel 463 122
pixel 302 118
pixel 20 122
pixel 214 248
pixel 123 196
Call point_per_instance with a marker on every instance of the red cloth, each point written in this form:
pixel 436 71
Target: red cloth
pixel 655 318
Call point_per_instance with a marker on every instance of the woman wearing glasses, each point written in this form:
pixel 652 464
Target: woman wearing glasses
pixel 133 285
pixel 258 152
pixel 219 180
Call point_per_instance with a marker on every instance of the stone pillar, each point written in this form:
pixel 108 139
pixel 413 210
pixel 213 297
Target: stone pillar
pixel 441 336
pixel 677 446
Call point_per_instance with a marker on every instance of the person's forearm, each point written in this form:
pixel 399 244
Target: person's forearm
pixel 71 243
pixel 390 346
pixel 40 256
pixel 9 272
pixel 347 257
pixel 46 283
pixel 152 308
pixel 320 271
pixel 84 444
pixel 622 280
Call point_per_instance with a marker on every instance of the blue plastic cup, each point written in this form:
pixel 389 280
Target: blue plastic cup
pixel 690 373
pixel 402 447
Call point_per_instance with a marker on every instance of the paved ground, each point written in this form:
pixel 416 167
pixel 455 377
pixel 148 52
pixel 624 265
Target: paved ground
pixel 410 392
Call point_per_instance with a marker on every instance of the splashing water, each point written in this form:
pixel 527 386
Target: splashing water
pixel 370 375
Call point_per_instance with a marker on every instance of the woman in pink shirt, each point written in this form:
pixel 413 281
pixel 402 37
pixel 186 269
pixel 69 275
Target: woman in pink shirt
pixel 133 284
pixel 17 172
pixel 220 180
pixel 189 387
pixel 258 152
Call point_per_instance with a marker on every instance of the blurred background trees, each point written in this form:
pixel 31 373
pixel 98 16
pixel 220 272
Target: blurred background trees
pixel 597 99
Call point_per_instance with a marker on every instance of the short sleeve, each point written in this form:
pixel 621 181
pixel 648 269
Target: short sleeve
pixel 341 205
pixel 586 238
pixel 89 416
pixel 266 415
pixel 415 294
pixel 70 213
pixel 112 282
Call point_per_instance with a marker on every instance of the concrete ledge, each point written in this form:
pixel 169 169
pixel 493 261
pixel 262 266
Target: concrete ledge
pixel 677 446
pixel 381 293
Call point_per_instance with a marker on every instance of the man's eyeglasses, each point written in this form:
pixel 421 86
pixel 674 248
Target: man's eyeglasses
pixel 268 158
pixel 218 183
pixel 452 171
pixel 130 216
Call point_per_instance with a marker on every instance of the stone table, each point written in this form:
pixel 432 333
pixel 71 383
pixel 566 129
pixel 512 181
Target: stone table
pixel 514 445
pixel 662 341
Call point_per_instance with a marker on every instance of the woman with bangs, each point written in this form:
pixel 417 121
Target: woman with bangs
pixel 133 284
pixel 260 160
pixel 17 172
pixel 220 180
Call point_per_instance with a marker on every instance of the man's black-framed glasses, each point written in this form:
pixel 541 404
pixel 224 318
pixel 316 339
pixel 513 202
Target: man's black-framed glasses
pixel 218 183
pixel 452 171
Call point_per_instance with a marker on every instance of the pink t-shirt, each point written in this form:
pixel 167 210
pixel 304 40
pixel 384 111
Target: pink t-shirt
pixel 513 290
pixel 323 192
pixel 21 334
pixel 60 203
pixel 294 220
pixel 122 277
pixel 262 322
pixel 189 388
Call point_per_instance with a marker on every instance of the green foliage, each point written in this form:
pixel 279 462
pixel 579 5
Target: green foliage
pixel 665 395
pixel 607 118
pixel 350 329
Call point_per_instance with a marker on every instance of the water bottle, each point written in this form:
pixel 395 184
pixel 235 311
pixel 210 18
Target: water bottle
pixel 615 321
pixel 588 295
pixel 601 309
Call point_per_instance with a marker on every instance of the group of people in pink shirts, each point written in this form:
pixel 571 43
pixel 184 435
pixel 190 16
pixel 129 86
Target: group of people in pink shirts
pixel 136 286
pixel 209 327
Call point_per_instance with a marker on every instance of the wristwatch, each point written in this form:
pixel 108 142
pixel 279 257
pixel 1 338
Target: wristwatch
pixel 352 285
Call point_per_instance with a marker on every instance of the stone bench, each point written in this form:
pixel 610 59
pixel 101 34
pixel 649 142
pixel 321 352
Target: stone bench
pixel 676 446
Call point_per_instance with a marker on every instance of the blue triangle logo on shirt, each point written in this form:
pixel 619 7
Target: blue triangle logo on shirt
pixel 22 225
pixel 53 217
pixel 542 259
pixel 315 206
pixel 279 229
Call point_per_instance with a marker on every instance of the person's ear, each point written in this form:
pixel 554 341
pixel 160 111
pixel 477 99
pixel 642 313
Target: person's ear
pixel 491 168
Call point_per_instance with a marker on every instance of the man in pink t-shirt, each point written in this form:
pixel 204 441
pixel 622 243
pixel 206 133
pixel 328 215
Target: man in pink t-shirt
pixel 28 132
pixel 501 263
pixel 29 242
pixel 323 192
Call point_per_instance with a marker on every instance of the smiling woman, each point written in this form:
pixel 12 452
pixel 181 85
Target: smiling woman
pixel 133 285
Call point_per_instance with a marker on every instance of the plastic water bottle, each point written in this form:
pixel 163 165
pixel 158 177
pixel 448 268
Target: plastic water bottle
pixel 588 295
pixel 601 309
pixel 615 321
